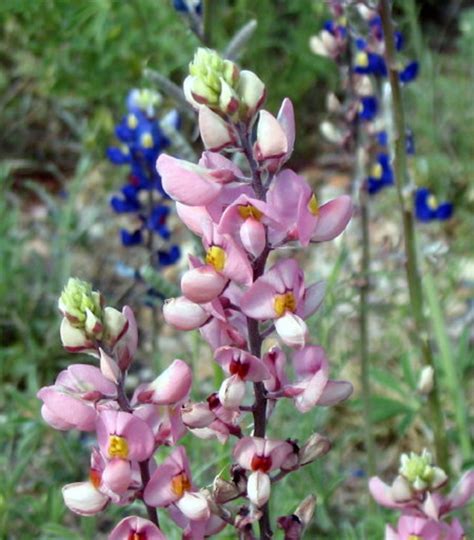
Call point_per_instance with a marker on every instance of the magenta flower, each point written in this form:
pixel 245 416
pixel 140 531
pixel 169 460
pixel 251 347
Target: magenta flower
pixel 280 294
pixel 136 528
pixel 71 403
pixel 171 483
pixel 261 456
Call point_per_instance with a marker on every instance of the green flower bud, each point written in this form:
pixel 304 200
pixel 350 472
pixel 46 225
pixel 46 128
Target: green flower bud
pixel 208 71
pixel 79 303
pixel 420 472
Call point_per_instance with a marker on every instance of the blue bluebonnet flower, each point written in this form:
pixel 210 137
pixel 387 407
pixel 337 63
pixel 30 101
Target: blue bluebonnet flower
pixel 382 138
pixel 367 62
pixel 409 72
pixel 381 175
pixel 368 108
pixel 187 6
pixel 410 142
pixel 142 140
pixel 427 207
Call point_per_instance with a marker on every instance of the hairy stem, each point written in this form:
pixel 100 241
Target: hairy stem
pixel 415 288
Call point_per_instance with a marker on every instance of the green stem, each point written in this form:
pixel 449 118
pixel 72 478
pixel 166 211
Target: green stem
pixel 413 275
pixel 208 16
pixel 449 367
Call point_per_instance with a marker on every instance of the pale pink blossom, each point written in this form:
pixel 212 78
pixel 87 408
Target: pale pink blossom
pixel 134 527
pixel 172 386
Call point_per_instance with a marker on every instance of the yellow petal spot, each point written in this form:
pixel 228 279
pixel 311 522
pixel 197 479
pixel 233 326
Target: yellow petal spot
pixel 215 256
pixel 124 149
pixel 283 303
pixel 132 121
pixel 432 202
pixel 180 484
pixel 118 447
pixel 248 211
pixel 414 537
pixel 146 140
pixel 377 171
pixel 362 60
pixel 313 205
pixel 342 21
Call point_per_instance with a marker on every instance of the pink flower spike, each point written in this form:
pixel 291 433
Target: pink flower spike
pixel 216 133
pixel 124 436
pixel 133 527
pixel 169 388
pixel 84 498
pixel 187 183
pixel 271 139
pixel 202 284
pixel 242 364
pixel 184 314
pixel 333 218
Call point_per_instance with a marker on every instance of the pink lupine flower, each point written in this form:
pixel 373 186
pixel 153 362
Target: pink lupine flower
pixel 415 527
pixel 202 283
pixel 261 456
pixel 245 218
pixel 210 419
pixel 71 403
pixel 122 438
pixel 172 386
pixel 194 217
pixel 280 294
pixel 171 483
pixel 90 497
pixel 292 199
pixel 195 185
pixel 136 528
pixel 196 530
pixel 242 366
pixel 313 386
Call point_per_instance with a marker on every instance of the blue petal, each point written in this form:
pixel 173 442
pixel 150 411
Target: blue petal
pixel 382 138
pixel 369 108
pixel 444 211
pixel 409 73
pixel 117 157
pixel 131 238
pixel 166 258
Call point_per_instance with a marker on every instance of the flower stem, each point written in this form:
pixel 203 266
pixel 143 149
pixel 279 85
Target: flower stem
pixel 412 271
pixel 255 338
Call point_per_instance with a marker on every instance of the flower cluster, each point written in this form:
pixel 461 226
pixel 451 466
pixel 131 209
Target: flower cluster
pixel 93 399
pixel 415 493
pixel 237 299
pixel 232 294
pixel 142 137
pixel 363 68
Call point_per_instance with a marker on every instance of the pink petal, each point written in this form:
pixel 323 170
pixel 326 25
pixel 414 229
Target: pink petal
pixel 117 475
pixel 133 524
pixel 286 119
pixel 83 378
pixel 382 493
pixel 246 449
pixel 172 386
pixel 258 488
pixel 271 138
pixel 184 314
pixel 237 266
pixel 192 216
pixel 64 409
pixel 333 218
pixel 462 493
pixel 187 183
pixel 292 330
pixel 158 491
pixel 259 301
pixel 253 236
pixel 194 506
pixel 201 285
pixel 216 133
pixel 223 170
pixel 335 392
pixel 313 298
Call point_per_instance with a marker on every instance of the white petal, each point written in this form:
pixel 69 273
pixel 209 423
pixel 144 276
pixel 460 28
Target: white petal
pixel 194 506
pixel 258 488
pixel 83 498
